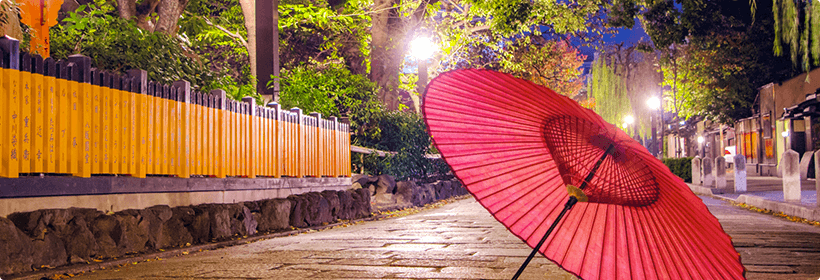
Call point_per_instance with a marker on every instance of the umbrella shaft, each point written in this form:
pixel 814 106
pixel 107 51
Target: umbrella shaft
pixel 571 202
pixel 608 151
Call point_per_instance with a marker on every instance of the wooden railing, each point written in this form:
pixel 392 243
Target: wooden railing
pixel 64 117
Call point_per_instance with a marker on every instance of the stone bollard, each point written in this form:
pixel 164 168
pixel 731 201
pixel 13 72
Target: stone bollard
pixel 817 174
pixel 740 173
pixel 720 172
pixel 805 161
pixel 791 175
pixel 696 171
pixel 708 176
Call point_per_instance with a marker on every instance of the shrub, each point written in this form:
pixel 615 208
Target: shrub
pixel 117 45
pixel 682 167
pixel 332 91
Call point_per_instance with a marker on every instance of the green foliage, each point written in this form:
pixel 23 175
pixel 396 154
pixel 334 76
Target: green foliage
pixel 406 134
pixel 681 167
pixel 609 91
pixel 332 90
pixel 797 25
pixel 118 45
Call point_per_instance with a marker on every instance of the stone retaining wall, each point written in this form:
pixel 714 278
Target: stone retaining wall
pixel 55 237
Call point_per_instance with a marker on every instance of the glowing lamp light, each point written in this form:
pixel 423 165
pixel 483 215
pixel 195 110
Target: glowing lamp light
pixel 628 120
pixel 700 139
pixel 785 134
pixel 422 48
pixel 653 102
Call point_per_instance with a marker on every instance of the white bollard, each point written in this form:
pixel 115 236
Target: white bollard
pixel 791 175
pixel 720 172
pixel 708 176
pixel 696 180
pixel 740 173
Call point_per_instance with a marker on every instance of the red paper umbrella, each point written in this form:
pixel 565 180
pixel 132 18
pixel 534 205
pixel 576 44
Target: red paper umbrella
pixel 528 155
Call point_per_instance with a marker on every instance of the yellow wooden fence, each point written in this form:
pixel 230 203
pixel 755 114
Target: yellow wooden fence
pixel 63 117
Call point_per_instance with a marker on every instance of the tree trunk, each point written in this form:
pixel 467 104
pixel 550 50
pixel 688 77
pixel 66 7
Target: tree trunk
pixel 249 12
pixel 168 12
pixel 381 60
pixel 127 8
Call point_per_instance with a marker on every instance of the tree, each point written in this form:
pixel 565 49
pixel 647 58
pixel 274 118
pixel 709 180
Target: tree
pixel 714 56
pixel 153 15
pixel 463 24
pixel 797 26
pixel 553 64
pixel 609 91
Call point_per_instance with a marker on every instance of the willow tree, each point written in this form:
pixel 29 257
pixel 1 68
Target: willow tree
pixel 609 90
pixel 797 26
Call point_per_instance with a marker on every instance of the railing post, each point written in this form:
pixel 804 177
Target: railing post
pixel 251 137
pixel 82 93
pixel 300 142
pixel 183 131
pixel 49 81
pixel 25 116
pixel 9 108
pixel 221 133
pixel 334 144
pixel 144 113
pixel 39 112
pixel 316 162
pixel 278 140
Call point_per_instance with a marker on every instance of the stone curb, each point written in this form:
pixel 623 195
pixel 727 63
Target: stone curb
pixel 812 214
pixel 81 268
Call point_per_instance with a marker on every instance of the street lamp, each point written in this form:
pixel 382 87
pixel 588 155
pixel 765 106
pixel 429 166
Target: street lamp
pixel 654 103
pixel 422 48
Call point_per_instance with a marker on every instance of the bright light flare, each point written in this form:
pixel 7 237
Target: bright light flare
pixel 422 48
pixel 653 102
pixel 700 139
pixel 629 119
pixel 785 134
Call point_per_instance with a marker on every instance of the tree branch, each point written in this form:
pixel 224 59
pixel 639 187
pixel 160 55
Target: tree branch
pixel 228 32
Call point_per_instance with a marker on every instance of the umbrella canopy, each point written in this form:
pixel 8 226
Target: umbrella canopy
pixel 516 146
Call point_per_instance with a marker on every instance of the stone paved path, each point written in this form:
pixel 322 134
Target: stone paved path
pixel 459 240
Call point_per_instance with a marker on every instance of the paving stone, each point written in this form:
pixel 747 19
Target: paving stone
pixel 459 240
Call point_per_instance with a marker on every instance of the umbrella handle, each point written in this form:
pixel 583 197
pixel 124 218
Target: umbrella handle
pixel 570 202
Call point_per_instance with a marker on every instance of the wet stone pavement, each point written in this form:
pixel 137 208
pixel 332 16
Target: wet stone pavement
pixel 459 240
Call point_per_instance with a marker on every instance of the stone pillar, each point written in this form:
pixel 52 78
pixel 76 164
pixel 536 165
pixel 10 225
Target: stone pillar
pixel 791 175
pixel 805 161
pixel 696 171
pixel 708 176
pixel 740 173
pixel 817 174
pixel 720 172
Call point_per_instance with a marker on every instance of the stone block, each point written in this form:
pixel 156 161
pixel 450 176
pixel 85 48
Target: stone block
pixel 720 172
pixel 299 211
pixel 80 243
pixel 816 172
pixel 332 198
pixel 791 175
pixel 386 184
pixel 740 173
pixel 16 250
pixel 424 194
pixel 708 177
pixel 130 237
pixel 405 191
pixel 105 229
pixel 200 226
pixel 275 214
pixel 805 164
pixel 361 198
pixel 318 209
pixel 242 220
pixel 50 252
pixel 220 221
pixel 696 177
pixel 346 204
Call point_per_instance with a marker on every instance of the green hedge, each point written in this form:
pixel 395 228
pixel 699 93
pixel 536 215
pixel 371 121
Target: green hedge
pixel 682 167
